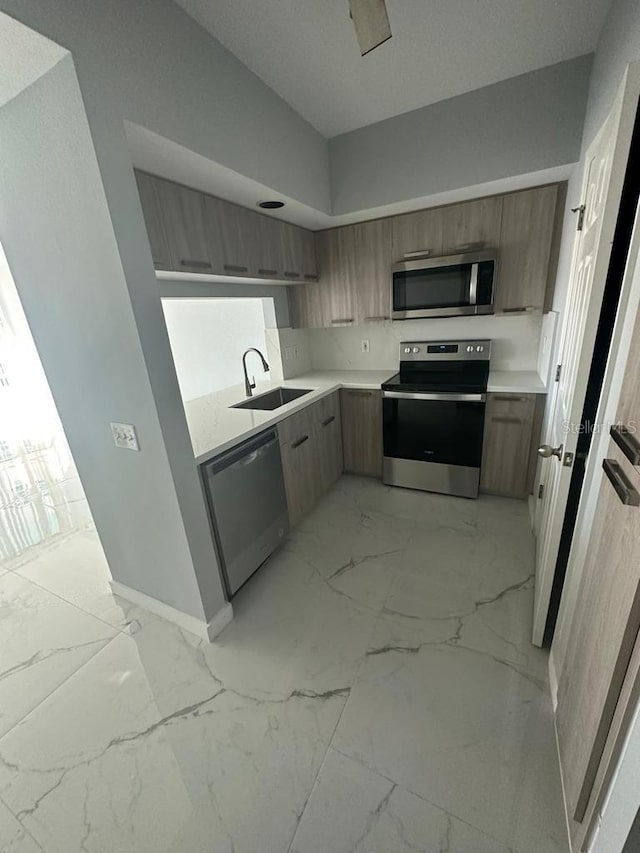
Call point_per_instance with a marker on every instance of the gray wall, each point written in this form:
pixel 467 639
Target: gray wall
pixel 149 62
pixel 515 127
pixel 618 45
pixel 100 334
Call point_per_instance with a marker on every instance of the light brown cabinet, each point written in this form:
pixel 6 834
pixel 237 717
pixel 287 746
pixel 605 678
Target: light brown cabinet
pixel 311 449
pixel 510 422
pixel 355 260
pixel 473 224
pixel 418 233
pixel 147 189
pixel 362 431
pixel 371 243
pixel 184 223
pixel 526 236
pixel 190 231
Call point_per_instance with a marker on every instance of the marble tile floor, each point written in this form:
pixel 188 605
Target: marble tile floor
pixel 376 692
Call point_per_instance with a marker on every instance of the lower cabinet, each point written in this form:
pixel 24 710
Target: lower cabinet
pixel 362 431
pixel 511 432
pixel 311 449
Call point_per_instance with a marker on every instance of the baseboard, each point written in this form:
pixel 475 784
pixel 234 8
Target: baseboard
pixel 205 630
pixel 553 681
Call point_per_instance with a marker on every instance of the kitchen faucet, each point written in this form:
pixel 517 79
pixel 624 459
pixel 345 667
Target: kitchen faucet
pixel 249 386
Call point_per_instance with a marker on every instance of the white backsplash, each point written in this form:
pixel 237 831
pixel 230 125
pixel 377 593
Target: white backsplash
pixel 515 341
pixel 288 352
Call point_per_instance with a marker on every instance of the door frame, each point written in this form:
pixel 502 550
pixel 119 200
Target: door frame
pixel 627 94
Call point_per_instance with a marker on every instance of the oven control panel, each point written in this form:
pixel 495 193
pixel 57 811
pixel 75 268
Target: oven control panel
pixel 445 350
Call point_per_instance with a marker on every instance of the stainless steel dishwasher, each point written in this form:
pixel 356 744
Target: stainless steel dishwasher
pixel 248 505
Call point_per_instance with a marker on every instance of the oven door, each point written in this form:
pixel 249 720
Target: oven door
pixel 442 287
pixel 433 441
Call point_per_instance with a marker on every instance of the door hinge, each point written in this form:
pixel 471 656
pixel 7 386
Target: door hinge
pixel 580 211
pixel 558 372
pixel 540 491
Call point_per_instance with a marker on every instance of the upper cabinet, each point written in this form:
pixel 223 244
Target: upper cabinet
pixel 418 233
pixel 148 191
pixel 355 260
pixel 184 223
pixel 190 231
pixel 471 225
pixel 343 275
pixel 526 238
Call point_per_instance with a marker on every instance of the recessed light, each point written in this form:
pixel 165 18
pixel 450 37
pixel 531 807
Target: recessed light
pixel 270 205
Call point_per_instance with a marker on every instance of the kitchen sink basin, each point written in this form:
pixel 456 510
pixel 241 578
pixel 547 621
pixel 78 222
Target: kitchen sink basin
pixel 272 399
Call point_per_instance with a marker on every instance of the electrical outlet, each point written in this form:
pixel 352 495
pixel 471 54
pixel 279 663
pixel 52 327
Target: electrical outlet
pixel 364 345
pixel 288 353
pixel 124 435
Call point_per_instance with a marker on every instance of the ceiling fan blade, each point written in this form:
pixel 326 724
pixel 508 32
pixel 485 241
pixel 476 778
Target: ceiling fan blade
pixel 371 22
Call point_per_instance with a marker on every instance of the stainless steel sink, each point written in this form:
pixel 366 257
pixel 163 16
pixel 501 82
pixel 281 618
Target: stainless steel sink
pixel 272 399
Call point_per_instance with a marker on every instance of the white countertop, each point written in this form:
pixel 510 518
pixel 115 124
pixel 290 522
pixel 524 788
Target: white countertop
pixel 215 427
pixel 516 381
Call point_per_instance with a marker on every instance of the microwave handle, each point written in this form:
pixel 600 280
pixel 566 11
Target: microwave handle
pixel 473 285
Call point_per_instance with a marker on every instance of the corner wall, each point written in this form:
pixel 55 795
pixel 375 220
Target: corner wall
pixel 58 235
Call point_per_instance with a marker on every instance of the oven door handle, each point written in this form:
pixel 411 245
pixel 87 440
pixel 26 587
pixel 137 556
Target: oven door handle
pixel 452 398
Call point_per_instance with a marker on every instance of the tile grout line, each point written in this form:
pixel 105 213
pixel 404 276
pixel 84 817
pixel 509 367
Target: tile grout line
pixel 21 825
pixel 62 684
pixel 435 805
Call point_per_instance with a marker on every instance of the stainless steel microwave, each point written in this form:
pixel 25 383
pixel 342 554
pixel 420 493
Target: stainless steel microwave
pixel 448 286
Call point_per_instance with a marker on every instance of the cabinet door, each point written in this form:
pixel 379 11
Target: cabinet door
pixel 328 427
pixel 269 258
pixel 291 249
pixel 417 233
pixel 528 223
pixel 147 189
pixel 362 431
pixel 508 429
pixel 183 216
pixel 370 271
pixel 336 259
pixel 309 261
pixel 471 223
pixel 298 450
pixel 237 227
pixel 307 305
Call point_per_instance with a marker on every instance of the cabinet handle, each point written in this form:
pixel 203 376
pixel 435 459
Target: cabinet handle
pixel 509 398
pixel 377 318
pixel 268 272
pixel 300 441
pixel 235 268
pixel 291 274
pixel 519 309
pixel 310 277
pixel 506 419
pixel 343 320
pixel 417 253
pixel 625 491
pixel 627 442
pixel 200 265
pixel 329 421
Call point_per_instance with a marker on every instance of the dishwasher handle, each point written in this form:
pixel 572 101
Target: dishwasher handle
pixel 245 455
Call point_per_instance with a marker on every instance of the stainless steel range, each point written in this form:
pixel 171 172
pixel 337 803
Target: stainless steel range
pixel 433 416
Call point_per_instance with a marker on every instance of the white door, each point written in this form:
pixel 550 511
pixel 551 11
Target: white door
pixel 606 162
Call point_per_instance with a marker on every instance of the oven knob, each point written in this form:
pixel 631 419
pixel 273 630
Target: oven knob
pixel 407 349
pixel 469 348
pixel 479 349
pixel 416 349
